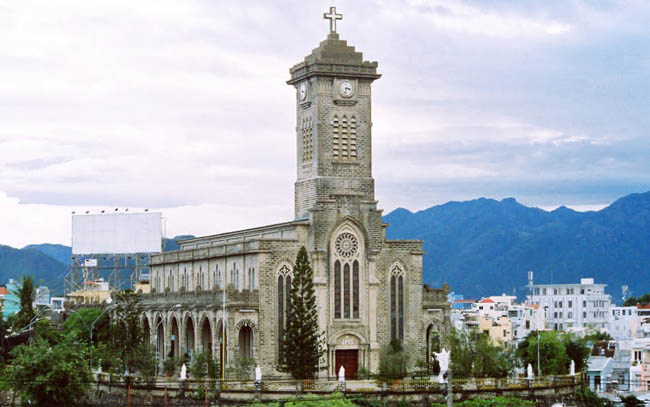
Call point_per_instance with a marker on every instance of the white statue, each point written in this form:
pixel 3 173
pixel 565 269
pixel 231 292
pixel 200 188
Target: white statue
pixel 531 376
pixel 572 370
pixel 258 374
pixel 443 360
pixel 342 374
pixel 183 372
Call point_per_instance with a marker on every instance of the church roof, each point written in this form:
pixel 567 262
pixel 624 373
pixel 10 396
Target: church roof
pixel 334 51
pixel 333 57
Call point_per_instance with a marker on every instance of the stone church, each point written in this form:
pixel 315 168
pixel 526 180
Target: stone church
pixel 369 289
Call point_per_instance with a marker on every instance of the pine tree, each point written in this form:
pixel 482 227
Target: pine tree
pixel 301 345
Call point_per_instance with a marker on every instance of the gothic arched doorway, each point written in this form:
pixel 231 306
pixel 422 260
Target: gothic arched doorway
pixel 433 345
pixel 189 337
pixel 175 339
pixel 246 342
pixel 206 336
pixel 160 339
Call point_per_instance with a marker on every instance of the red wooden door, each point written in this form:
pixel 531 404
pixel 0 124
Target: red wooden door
pixel 349 359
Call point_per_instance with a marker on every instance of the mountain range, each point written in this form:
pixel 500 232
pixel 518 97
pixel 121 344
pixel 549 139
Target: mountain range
pixel 480 247
pixel 485 247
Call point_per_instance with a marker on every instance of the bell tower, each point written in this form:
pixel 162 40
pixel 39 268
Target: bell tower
pixel 333 125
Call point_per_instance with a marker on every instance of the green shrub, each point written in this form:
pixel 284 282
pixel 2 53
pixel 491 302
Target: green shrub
pixel 587 398
pixel 242 369
pixel 199 366
pixel 311 400
pixel 631 401
pixel 393 361
pixel 363 373
pixel 169 365
pixel 495 402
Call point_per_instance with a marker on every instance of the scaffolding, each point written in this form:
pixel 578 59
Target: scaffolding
pixel 119 271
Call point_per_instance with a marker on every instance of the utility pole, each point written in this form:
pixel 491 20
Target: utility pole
pixel 530 285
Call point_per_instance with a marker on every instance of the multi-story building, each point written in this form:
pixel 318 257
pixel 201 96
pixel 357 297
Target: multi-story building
pixel 573 306
pixel 525 318
pixel 499 330
pixel 622 322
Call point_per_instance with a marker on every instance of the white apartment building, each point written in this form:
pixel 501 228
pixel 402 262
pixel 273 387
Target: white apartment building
pixel 571 306
pixel 525 319
pixel 623 322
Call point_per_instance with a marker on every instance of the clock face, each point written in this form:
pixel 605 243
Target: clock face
pixel 346 89
pixel 302 91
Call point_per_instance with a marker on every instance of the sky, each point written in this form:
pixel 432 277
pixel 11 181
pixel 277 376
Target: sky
pixel 182 106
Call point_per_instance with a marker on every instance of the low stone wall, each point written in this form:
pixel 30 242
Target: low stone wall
pixel 544 391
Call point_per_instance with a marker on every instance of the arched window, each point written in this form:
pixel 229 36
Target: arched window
pixel 347 279
pixel 251 278
pixel 397 302
pixel 355 289
pixel 284 291
pixel 337 289
pixel 170 281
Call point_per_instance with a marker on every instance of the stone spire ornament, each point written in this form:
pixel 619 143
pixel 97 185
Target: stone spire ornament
pixel 332 16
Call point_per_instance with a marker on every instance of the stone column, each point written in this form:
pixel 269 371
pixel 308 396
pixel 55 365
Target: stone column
pixel 198 345
pixel 181 334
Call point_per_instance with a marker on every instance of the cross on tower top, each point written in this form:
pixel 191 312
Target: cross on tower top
pixel 332 16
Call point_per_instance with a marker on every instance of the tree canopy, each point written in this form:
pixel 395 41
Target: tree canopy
pixel 49 375
pixel 474 355
pixel 632 301
pixel 26 293
pixel 556 351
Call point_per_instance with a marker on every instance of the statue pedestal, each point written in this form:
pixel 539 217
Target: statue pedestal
pixel 341 387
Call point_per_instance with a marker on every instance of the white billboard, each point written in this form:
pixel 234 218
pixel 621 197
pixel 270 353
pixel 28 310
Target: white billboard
pixel 116 233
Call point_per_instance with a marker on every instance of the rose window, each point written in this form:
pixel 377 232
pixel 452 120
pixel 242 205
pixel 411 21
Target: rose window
pixel 346 245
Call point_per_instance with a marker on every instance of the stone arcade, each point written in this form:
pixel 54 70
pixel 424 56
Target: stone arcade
pixel 369 289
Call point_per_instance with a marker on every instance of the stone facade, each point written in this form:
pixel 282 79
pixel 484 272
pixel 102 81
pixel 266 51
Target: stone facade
pixel 369 290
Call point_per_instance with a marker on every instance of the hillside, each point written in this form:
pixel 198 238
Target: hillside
pixel 485 247
pixel 480 247
pixel 58 252
pixel 51 262
pixel 16 262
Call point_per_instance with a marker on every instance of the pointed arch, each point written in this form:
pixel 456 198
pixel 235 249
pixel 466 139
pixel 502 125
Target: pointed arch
pixel 396 276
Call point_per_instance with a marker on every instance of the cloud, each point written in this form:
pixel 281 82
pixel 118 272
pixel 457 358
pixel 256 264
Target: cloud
pixel 184 106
